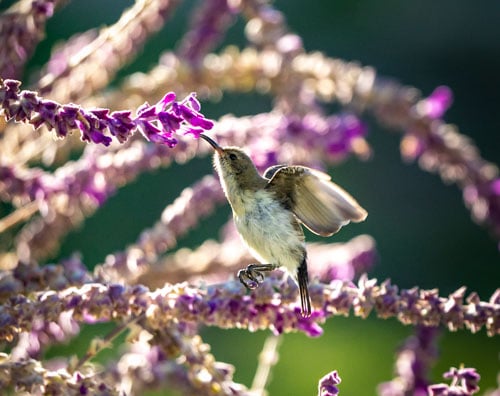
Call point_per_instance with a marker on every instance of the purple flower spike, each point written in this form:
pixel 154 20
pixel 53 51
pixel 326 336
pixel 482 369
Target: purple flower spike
pixel 327 385
pixel 157 123
pixel 414 359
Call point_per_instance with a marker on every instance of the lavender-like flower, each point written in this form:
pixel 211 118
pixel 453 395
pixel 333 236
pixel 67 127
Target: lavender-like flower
pixel 272 306
pixel 158 123
pixel 29 278
pixel 464 382
pixel 327 385
pixel 172 357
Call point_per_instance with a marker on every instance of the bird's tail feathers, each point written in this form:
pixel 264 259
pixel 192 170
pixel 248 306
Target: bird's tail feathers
pixel 303 279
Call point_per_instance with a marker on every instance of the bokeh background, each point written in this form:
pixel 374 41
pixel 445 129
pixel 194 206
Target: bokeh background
pixel 423 231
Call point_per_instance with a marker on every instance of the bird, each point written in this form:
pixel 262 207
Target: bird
pixel 269 209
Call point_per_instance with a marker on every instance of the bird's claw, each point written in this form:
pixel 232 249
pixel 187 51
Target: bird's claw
pixel 251 277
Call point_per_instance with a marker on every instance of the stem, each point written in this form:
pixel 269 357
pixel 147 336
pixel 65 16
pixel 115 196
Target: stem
pixel 92 352
pixel 267 359
pixel 18 215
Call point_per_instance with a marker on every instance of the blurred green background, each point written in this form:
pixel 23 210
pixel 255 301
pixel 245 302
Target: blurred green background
pixel 424 233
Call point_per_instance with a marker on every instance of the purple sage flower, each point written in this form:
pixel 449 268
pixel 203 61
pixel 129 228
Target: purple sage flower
pixel 327 385
pixel 158 123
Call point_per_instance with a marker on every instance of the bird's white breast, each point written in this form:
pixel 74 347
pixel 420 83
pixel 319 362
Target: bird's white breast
pixel 269 229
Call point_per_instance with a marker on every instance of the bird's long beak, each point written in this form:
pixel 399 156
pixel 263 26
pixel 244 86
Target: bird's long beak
pixel 212 143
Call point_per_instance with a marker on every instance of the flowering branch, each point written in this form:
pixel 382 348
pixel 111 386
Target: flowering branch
pixel 78 188
pixel 439 147
pixel 226 306
pixel 157 123
pixel 272 306
pixel 178 359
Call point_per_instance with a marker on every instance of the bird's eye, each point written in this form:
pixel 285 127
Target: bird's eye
pixel 233 156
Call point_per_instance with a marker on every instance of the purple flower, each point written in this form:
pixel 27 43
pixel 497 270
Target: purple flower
pixel 157 123
pixel 46 114
pixel 169 121
pixel 119 124
pixel 22 27
pixel 327 385
pixel 342 131
pixel 153 133
pixel 188 110
pixel 94 127
pixel 468 378
pixel 44 7
pixel 437 103
pixel 463 383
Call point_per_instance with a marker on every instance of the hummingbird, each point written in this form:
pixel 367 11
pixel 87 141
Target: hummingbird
pixel 268 211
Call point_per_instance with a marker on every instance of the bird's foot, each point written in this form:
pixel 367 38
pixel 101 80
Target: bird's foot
pixel 252 276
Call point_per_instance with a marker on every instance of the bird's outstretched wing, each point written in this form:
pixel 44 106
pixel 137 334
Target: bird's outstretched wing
pixel 321 205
